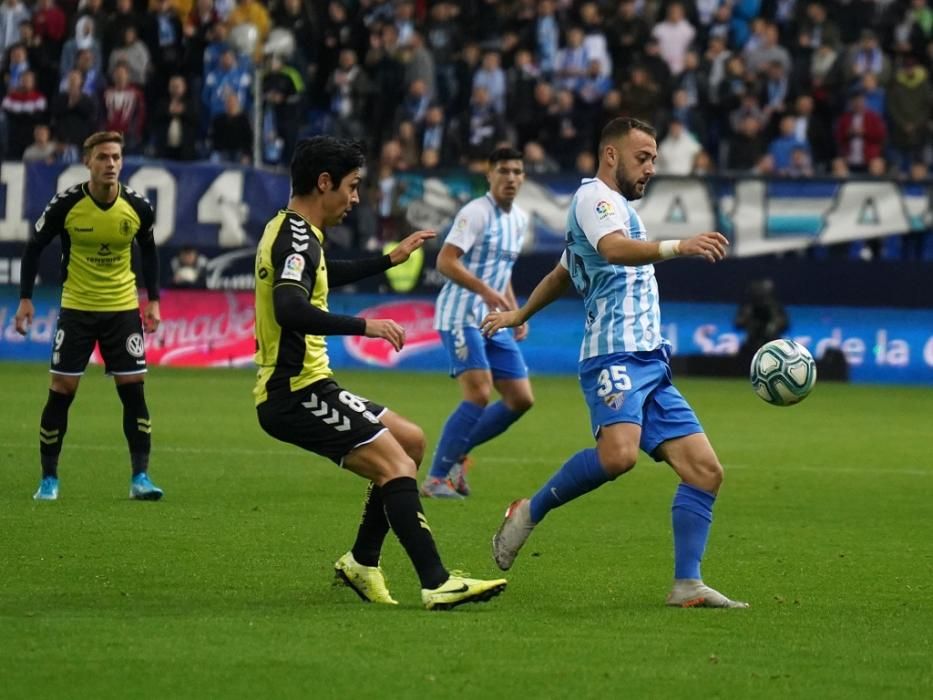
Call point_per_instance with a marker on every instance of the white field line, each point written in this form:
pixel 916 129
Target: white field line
pixel 867 469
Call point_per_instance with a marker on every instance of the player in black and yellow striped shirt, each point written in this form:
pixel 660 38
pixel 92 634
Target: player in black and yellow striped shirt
pixel 97 221
pixel 297 399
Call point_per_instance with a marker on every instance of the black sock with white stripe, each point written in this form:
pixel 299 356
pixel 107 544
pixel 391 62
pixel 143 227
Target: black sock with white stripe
pixel 52 428
pixel 405 516
pixel 136 425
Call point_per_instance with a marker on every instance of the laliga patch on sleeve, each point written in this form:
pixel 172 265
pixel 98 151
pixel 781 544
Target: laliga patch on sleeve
pixel 294 266
pixel 604 209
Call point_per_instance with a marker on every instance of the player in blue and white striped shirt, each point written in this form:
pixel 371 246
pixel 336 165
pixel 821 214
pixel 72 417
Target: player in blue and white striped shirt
pixel 624 370
pixel 477 258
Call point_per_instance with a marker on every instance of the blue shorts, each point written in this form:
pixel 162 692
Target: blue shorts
pixel 635 387
pixel 467 348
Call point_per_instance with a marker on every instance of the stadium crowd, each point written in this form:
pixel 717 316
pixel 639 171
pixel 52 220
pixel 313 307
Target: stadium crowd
pixel 792 87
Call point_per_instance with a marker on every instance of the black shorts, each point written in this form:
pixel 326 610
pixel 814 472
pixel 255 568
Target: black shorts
pixel 322 418
pixel 120 334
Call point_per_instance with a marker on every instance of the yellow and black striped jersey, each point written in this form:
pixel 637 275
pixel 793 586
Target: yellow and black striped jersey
pixel 289 253
pixel 97 240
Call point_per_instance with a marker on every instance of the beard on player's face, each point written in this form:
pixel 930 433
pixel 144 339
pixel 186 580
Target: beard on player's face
pixel 627 186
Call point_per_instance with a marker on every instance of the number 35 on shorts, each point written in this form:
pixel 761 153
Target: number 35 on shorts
pixel 613 380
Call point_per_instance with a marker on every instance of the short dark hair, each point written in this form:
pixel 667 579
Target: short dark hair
pixel 323 154
pixel 620 126
pixel 504 153
pixel 101 137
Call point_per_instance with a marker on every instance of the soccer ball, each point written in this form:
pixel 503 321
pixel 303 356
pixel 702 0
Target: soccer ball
pixel 783 372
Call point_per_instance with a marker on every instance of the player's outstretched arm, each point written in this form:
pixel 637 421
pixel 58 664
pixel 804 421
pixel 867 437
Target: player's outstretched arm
pixel 548 290
pixel 619 249
pixel 341 272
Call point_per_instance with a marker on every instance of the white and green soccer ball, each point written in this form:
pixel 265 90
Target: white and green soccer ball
pixel 783 372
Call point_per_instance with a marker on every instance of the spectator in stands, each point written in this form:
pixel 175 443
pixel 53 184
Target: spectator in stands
pixel 674 35
pixel 689 115
pixel 867 57
pixel 813 129
pixel 92 77
pixel 433 137
pixel 678 150
pixel 189 268
pixel 74 116
pixel 641 95
pixel 703 164
pixel 652 61
pixel 626 32
pixel 910 103
pixel 284 99
pixel 51 25
pixel 547 36
pixel 878 167
pixel 407 137
pixel 860 134
pixel 768 51
pixel 592 91
pixel 227 78
pixel 349 92
pixel 444 39
pixel 481 128
pixel 571 61
pixel 801 165
pixel 418 63
pixel 816 29
pixel 24 107
pixel 12 12
pixel 83 40
pixel 585 164
pixel 163 36
pixel 125 110
pixel 491 77
pixel 15 65
pixel 875 95
pixel 594 37
pixel 571 138
pixel 746 145
pixel 787 142
pixel 41 57
pixel 132 52
pixel 176 122
pixel 231 133
pixel 387 79
pixel 114 24
pixel 521 79
pixel 415 103
pixel 42 148
pixel 775 92
pixel 537 161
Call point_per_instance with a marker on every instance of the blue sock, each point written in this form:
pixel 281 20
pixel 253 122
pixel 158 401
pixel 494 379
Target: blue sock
pixel 580 474
pixel 691 515
pixel 455 437
pixel 495 420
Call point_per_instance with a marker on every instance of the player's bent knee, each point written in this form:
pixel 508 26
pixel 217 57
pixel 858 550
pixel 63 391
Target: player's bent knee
pixel 414 443
pixel 707 475
pixel 520 404
pixel 617 462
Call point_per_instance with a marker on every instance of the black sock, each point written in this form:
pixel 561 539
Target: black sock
pixel 404 513
pixel 373 528
pixel 52 429
pixel 136 425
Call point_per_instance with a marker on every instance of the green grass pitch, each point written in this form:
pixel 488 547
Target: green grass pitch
pixel 223 589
